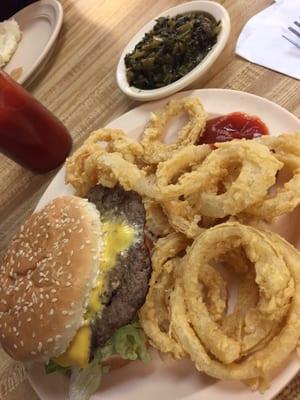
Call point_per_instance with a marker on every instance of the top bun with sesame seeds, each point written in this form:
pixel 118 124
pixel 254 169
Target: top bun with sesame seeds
pixel 46 278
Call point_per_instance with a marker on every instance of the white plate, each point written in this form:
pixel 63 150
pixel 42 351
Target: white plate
pixel 174 380
pixel 40 24
pixel 217 11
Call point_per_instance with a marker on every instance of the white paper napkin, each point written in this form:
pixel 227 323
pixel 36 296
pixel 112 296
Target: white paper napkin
pixel 261 42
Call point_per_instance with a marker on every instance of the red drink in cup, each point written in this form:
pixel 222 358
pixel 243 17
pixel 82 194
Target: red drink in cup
pixel 29 133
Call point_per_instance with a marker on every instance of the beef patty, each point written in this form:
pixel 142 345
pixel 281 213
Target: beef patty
pixel 128 281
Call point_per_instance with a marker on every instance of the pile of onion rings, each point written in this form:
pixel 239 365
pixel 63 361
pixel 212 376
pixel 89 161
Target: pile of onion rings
pixel 204 207
pixel 264 326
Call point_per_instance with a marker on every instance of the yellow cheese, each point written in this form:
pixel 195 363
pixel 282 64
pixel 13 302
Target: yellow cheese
pixel 78 352
pixel 118 237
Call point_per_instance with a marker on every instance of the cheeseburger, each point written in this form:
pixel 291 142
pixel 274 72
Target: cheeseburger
pixel 73 279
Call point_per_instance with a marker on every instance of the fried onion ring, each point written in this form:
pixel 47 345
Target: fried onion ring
pixel 84 168
pixel 286 148
pixel 199 185
pixel 257 175
pixel 155 150
pixel 154 315
pixel 130 176
pixel 187 182
pixel 279 287
pixel 156 220
pixel 182 217
pixel 273 296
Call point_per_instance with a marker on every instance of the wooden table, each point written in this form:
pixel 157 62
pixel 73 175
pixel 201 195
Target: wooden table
pixel 79 87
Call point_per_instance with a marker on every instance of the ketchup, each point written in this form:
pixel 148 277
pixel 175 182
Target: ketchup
pixel 29 133
pixel 236 125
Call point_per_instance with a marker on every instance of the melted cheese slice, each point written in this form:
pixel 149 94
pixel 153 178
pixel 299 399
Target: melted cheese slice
pixel 118 237
pixel 78 352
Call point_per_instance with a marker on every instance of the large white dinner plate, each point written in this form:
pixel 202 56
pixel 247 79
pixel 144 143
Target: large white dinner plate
pixel 178 379
pixel 40 24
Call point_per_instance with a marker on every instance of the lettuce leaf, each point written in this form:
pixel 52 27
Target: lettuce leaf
pixel 128 342
pixel 52 366
pixel 84 382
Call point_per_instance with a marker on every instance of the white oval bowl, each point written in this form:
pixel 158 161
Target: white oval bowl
pixel 40 23
pixel 217 11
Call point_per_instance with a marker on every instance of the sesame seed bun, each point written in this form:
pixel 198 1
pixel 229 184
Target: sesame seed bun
pixel 42 298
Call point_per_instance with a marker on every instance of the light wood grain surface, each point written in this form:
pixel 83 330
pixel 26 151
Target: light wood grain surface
pixel 78 85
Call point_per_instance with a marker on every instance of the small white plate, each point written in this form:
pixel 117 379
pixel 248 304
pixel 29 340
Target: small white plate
pixel 217 11
pixel 179 380
pixel 40 24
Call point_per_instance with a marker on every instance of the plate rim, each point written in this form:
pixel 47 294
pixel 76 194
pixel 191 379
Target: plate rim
pixel 196 92
pixel 215 90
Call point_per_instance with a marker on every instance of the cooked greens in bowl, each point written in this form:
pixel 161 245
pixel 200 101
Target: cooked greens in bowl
pixel 173 47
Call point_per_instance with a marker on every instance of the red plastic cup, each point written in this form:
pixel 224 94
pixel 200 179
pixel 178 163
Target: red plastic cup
pixel 29 133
